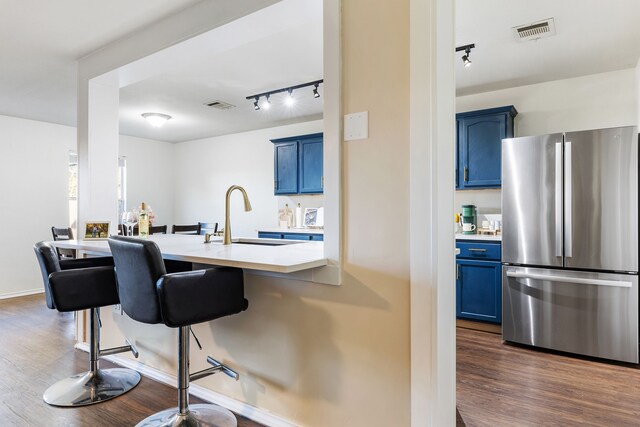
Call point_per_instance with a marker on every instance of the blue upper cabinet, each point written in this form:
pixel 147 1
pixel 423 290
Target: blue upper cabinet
pixel 286 167
pixel 479 146
pixel 298 164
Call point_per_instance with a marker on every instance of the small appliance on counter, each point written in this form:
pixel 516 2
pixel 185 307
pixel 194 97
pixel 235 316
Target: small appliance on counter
pixel 469 219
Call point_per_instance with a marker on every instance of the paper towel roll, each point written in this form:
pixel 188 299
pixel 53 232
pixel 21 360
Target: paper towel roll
pixel 299 223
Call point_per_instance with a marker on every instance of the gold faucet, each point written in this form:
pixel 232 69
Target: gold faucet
pixel 227 224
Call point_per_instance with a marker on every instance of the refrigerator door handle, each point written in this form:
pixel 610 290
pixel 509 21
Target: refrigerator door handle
pixel 558 201
pixel 568 226
pixel 577 280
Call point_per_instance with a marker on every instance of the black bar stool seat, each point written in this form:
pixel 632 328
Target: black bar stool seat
pixel 149 295
pixel 80 284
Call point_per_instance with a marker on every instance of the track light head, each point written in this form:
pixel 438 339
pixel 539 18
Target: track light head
pixel 467 51
pixel 289 100
pixel 255 104
pixel 315 91
pixel 267 102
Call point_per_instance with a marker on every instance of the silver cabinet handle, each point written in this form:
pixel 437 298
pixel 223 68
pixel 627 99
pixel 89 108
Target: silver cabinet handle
pixel 577 280
pixel 558 199
pixel 568 214
pixel 476 250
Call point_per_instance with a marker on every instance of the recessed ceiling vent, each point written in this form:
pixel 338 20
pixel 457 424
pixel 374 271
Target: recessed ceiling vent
pixel 535 31
pixel 220 105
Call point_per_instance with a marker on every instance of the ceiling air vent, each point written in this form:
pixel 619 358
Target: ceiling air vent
pixel 535 31
pixel 220 105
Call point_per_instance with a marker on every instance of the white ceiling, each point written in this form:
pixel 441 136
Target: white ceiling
pixel 593 36
pixel 42 40
pixel 38 71
pixel 275 47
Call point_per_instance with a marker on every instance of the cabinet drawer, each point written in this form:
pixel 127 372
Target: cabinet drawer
pixel 482 251
pixel 266 235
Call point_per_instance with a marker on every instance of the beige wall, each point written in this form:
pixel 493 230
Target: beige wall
pixel 315 354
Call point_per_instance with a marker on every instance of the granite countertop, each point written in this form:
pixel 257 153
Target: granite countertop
pixel 488 237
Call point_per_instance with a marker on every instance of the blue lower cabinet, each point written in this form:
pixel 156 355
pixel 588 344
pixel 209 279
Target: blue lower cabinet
pixel 479 283
pixel 264 235
pixel 290 236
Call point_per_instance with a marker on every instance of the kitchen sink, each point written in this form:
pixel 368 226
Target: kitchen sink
pixel 264 242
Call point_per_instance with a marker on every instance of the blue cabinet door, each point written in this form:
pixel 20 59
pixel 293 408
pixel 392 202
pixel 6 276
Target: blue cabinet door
pixel 286 168
pixel 479 146
pixel 311 171
pixel 479 290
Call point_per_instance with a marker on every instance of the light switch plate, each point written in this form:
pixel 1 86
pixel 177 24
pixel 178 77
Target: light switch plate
pixel 356 126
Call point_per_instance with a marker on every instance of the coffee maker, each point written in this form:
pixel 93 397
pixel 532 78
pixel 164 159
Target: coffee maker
pixel 469 219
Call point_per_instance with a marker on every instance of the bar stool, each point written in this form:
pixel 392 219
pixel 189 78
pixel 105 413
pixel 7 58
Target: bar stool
pixel 80 284
pixel 149 295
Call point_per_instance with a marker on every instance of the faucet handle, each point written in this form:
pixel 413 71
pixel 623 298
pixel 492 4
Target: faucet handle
pixel 207 237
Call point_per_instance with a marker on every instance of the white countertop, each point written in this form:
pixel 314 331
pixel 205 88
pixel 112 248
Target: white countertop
pixel 489 237
pixel 292 230
pixel 284 258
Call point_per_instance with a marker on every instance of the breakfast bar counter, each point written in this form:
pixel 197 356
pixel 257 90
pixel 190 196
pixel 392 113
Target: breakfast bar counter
pixel 271 255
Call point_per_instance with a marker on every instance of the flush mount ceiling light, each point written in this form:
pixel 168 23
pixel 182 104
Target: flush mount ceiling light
pixel 289 100
pixel 467 50
pixel 156 119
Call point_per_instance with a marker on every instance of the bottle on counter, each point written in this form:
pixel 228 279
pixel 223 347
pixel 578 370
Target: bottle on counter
pixel 288 215
pixel 143 221
pixel 299 223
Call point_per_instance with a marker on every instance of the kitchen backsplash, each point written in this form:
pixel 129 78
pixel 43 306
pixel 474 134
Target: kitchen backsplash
pixel 486 201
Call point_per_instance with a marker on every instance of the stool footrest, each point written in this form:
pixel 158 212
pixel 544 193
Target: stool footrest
pixel 217 366
pixel 115 350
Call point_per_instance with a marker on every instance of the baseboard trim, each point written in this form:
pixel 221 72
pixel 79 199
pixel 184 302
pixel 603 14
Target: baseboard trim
pixel 256 414
pixel 22 293
pixel 479 326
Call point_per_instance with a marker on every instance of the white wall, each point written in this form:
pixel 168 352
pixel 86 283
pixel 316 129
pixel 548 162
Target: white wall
pixel 34 184
pixel 206 168
pixel 588 102
pixel 34 191
pixel 150 176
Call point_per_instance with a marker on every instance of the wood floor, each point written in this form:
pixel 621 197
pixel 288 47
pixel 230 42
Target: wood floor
pixel 508 385
pixel 498 384
pixel 36 350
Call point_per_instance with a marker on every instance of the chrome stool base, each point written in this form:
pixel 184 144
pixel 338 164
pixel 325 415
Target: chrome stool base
pixel 200 415
pixel 91 387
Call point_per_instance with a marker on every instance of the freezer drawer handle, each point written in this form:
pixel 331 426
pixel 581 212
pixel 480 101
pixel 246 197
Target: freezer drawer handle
pixel 579 280
pixel 477 250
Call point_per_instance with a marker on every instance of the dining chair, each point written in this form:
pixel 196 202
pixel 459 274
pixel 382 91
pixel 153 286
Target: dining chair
pixel 207 227
pixel 158 229
pixel 63 234
pixel 185 229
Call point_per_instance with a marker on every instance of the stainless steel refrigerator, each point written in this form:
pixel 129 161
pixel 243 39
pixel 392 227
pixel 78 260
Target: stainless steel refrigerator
pixel 570 242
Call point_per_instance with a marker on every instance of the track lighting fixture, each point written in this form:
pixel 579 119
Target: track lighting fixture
pixel 289 100
pixel 467 50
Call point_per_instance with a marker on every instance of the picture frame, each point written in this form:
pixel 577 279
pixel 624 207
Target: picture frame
pixel 96 230
pixel 310 217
